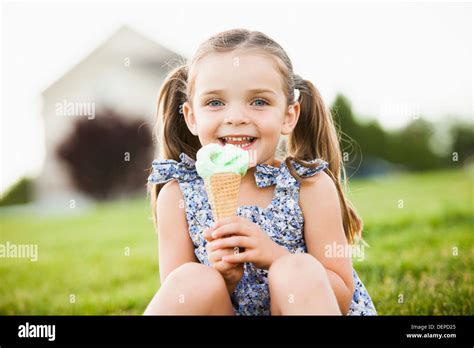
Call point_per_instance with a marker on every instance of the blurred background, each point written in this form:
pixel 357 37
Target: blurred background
pixel 79 90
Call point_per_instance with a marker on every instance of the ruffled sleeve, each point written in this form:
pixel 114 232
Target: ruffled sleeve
pixel 305 171
pixel 166 170
pixel 267 175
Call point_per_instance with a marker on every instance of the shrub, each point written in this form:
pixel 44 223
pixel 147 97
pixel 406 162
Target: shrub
pixel 108 156
pixel 20 193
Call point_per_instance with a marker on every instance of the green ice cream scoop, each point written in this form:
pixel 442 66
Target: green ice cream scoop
pixel 214 158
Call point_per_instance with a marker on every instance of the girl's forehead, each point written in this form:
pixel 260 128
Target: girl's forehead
pixel 237 70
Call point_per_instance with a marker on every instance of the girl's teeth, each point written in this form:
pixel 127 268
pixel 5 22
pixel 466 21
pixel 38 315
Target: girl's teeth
pixel 237 138
pixel 237 141
pixel 242 145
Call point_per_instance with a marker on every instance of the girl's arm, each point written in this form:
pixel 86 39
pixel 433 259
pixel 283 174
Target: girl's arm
pixel 174 243
pixel 324 231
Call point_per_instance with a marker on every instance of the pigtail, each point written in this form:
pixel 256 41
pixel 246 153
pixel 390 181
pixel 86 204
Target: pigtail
pixel 171 133
pixel 315 137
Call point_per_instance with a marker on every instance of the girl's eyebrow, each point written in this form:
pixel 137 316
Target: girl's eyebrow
pixel 215 91
pixel 250 91
pixel 261 90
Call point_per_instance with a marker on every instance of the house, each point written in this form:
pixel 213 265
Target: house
pixel 123 73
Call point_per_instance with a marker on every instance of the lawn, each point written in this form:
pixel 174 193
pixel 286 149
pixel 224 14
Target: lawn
pixel 420 258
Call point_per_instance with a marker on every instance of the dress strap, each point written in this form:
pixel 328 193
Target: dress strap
pixel 306 171
pixel 166 170
pixel 268 175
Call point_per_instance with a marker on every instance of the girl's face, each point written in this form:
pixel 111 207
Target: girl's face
pixel 238 98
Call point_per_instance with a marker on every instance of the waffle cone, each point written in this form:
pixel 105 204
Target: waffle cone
pixel 223 193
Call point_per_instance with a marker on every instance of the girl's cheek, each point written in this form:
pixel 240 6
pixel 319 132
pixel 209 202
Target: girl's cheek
pixel 268 116
pixel 207 122
pixel 268 125
pixel 212 118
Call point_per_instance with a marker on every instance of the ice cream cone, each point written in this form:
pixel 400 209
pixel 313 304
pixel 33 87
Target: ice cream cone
pixel 223 193
pixel 221 168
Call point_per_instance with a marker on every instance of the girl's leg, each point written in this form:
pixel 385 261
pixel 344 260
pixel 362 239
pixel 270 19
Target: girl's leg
pixel 299 285
pixel 192 288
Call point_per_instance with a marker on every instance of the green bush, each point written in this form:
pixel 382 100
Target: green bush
pixel 20 193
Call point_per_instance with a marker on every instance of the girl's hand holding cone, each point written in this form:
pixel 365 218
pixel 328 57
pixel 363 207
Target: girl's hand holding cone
pixel 236 231
pixel 232 272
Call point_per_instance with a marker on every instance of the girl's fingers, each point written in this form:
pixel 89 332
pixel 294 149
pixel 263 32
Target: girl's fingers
pixel 226 220
pixel 207 234
pixel 230 242
pixel 233 228
pixel 230 220
pixel 223 266
pixel 238 258
pixel 216 256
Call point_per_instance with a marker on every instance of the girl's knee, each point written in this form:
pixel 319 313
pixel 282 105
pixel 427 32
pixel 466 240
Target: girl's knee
pixel 296 267
pixel 186 272
pixel 191 288
pixel 197 279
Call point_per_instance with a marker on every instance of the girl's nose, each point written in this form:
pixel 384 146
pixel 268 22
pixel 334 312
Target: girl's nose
pixel 236 116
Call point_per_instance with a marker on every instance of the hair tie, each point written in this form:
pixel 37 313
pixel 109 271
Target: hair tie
pixel 297 94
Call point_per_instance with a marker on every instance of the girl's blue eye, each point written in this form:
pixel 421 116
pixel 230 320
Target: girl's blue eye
pixel 260 102
pixel 215 103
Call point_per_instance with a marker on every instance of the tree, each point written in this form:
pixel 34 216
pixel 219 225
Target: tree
pixel 369 146
pixel 108 156
pixel 348 130
pixel 410 146
pixel 463 141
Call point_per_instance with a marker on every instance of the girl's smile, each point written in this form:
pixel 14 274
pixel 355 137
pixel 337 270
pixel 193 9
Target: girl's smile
pixel 243 141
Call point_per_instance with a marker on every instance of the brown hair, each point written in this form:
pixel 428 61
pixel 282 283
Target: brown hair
pixel 313 137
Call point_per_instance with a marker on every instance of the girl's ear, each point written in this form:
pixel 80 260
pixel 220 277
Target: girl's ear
pixel 189 117
pixel 291 118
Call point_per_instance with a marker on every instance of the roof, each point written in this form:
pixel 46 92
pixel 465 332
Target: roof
pixel 126 43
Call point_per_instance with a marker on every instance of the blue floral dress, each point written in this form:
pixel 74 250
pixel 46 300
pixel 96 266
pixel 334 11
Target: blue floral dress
pixel 282 220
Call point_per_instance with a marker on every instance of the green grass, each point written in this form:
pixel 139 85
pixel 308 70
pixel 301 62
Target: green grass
pixel 84 256
pixel 413 245
pixel 410 253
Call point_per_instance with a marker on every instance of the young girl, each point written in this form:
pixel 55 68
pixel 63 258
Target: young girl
pixel 240 88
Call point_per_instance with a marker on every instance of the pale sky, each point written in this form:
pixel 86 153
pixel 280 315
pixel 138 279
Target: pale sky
pixel 388 59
